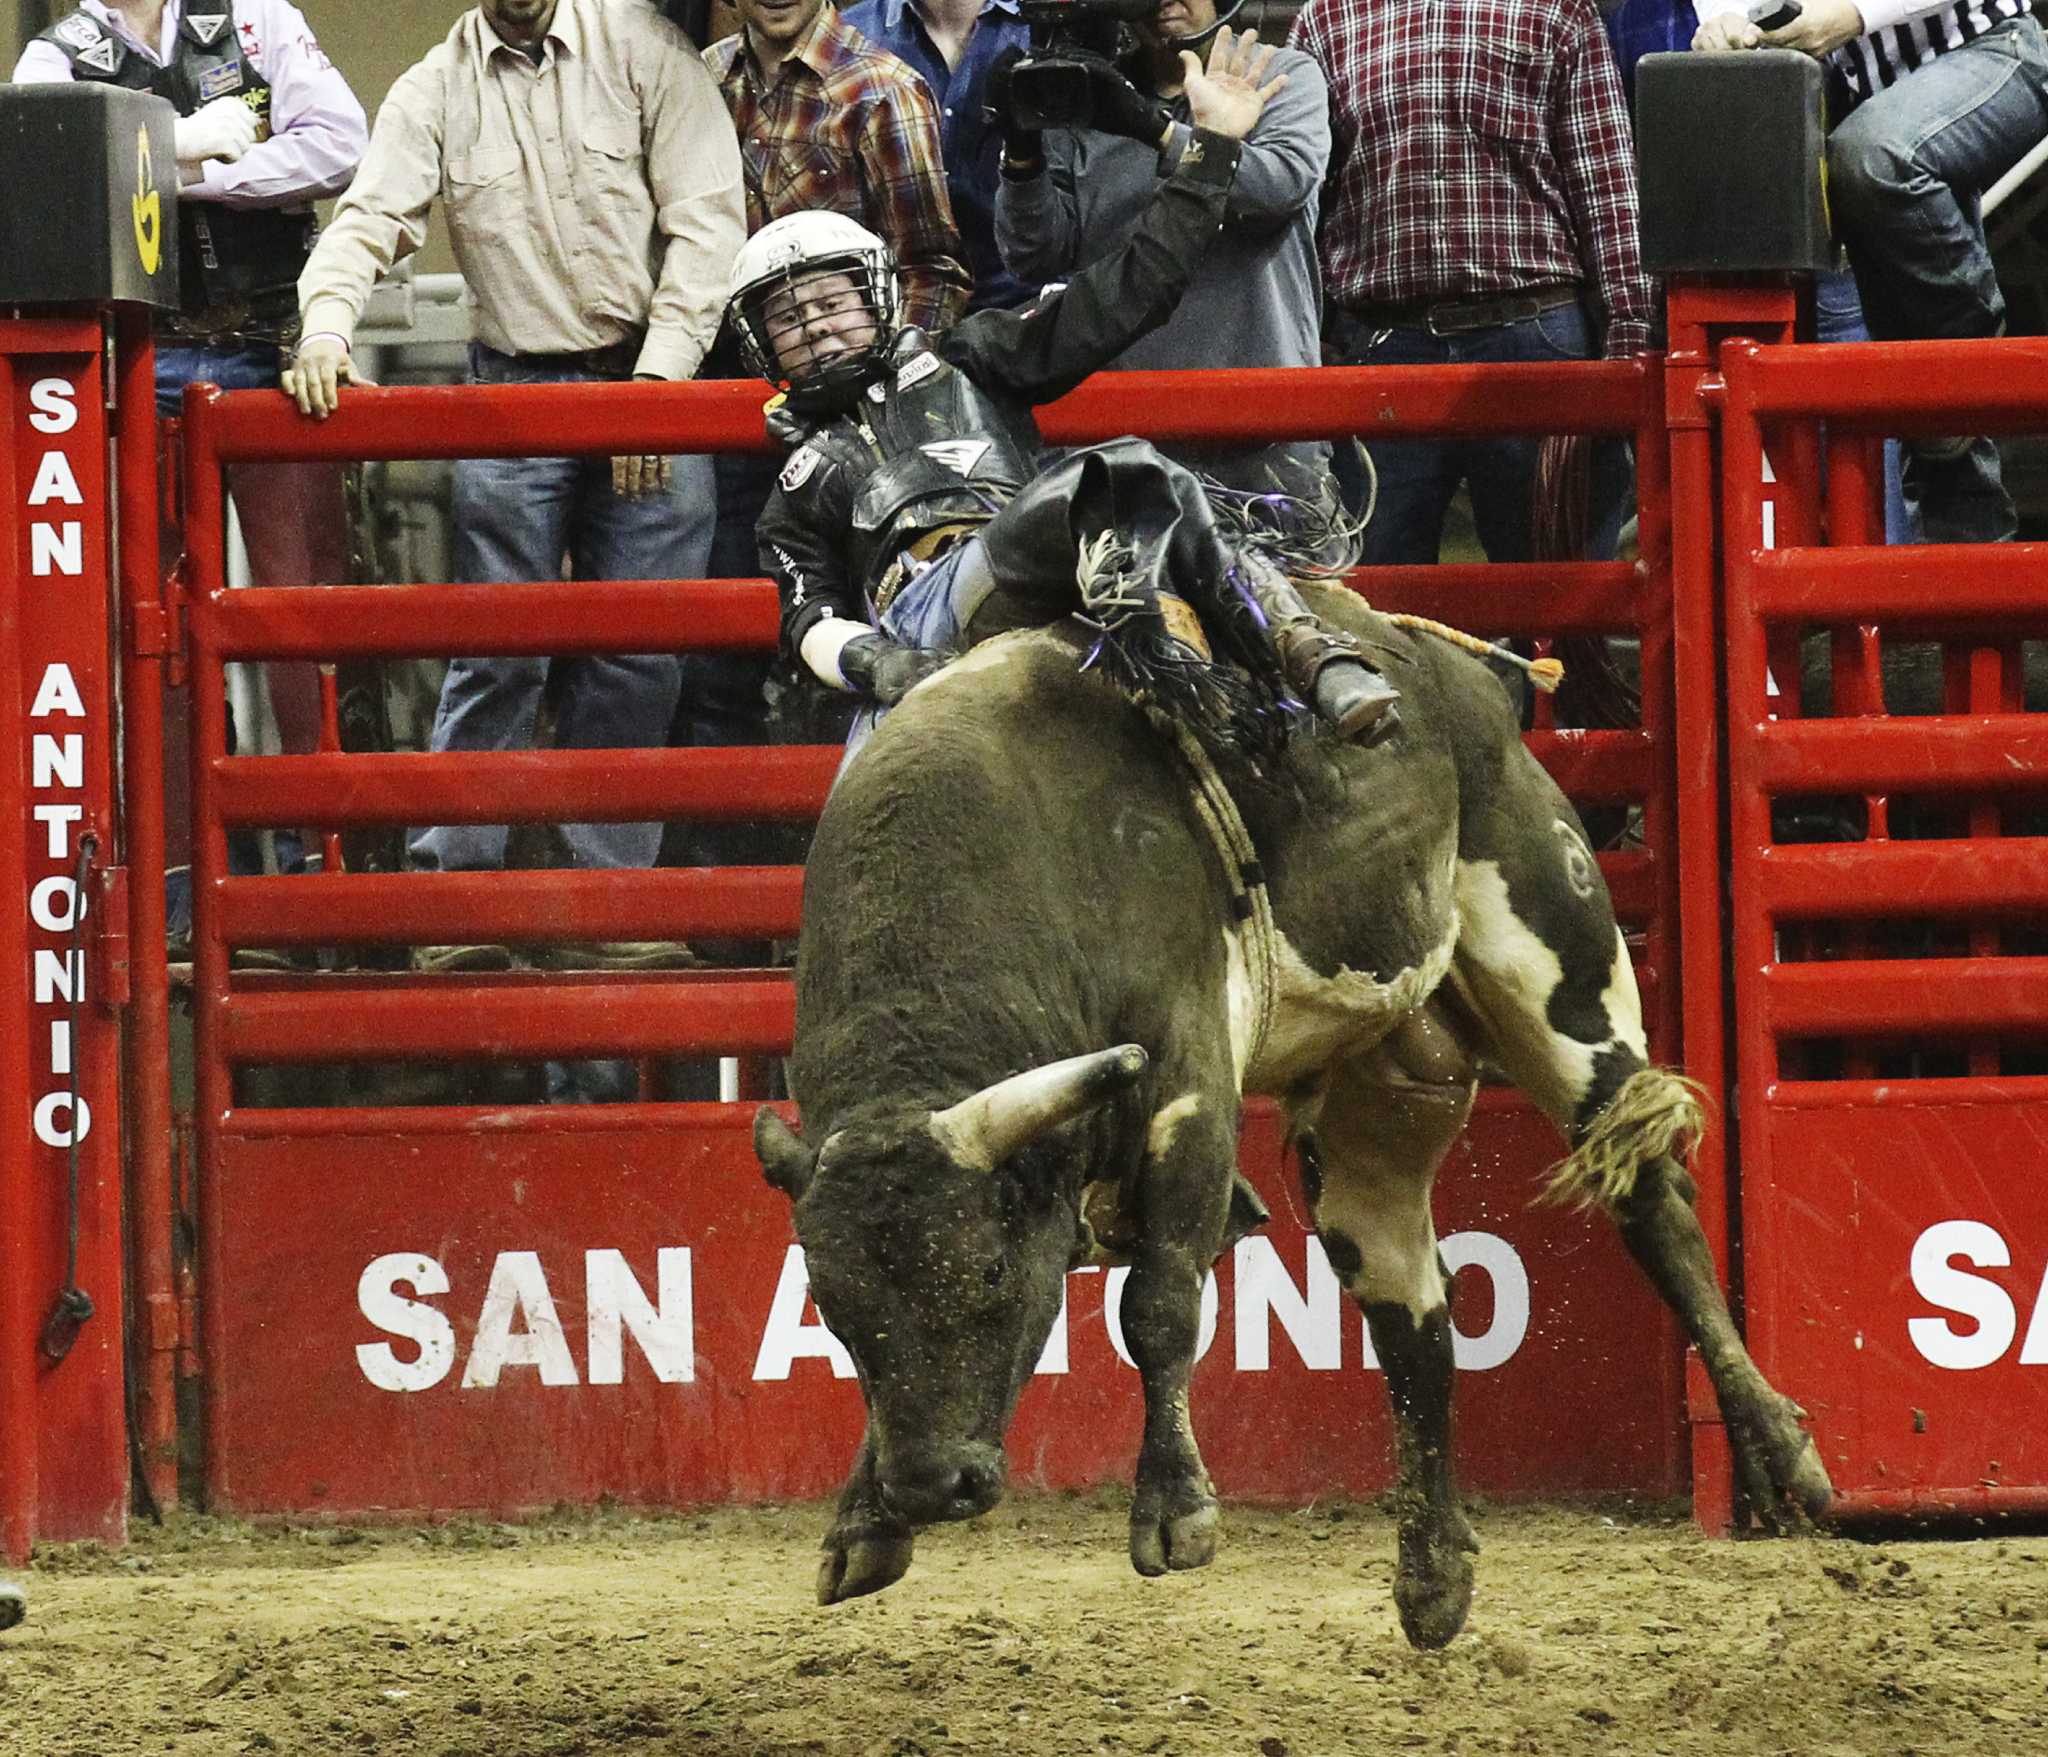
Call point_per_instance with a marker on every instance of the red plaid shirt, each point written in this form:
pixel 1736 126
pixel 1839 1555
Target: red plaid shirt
pixel 1481 146
pixel 848 127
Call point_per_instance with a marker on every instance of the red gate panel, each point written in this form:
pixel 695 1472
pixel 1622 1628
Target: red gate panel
pixel 1887 796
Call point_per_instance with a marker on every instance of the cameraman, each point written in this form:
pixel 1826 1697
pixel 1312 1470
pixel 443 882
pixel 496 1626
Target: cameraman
pixel 1073 196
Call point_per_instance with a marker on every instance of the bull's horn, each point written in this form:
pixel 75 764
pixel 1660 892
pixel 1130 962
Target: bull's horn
pixel 986 1129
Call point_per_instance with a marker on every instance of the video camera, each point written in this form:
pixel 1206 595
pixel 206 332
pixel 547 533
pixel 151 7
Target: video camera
pixel 1070 39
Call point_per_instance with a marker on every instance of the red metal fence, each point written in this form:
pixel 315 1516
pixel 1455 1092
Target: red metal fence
pixel 448 1308
pixel 429 1308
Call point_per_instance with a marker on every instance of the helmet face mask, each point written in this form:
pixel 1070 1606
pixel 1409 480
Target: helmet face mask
pixel 814 304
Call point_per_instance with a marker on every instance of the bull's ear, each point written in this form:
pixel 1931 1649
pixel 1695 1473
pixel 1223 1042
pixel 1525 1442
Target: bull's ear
pixel 982 1131
pixel 785 1161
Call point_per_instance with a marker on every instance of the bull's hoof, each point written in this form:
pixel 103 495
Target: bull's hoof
pixel 1434 1604
pixel 1783 1478
pixel 853 1567
pixel 1163 1540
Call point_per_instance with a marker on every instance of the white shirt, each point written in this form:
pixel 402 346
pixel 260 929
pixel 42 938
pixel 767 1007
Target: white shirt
pixel 317 128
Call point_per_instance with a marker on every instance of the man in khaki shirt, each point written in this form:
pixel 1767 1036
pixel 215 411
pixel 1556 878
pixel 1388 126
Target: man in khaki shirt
pixel 590 178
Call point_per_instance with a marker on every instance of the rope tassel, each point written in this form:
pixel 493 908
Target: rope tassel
pixel 1545 674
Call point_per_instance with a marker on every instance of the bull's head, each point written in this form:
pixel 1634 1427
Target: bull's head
pixel 937 1249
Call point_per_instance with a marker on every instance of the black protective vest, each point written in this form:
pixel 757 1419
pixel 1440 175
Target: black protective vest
pixel 907 481
pixel 227 256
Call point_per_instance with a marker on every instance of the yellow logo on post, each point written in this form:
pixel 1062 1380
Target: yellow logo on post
pixel 147 207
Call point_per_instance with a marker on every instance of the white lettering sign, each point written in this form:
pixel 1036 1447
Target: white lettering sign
pixel 56 764
pixel 53 405
pixel 518 1325
pixel 1994 1318
pixel 787 1338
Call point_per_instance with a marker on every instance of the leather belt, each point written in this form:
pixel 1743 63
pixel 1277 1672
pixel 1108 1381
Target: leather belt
pixel 914 557
pixel 613 360
pixel 1450 317
pixel 231 326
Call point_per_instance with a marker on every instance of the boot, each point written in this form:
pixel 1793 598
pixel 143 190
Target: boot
pixel 1324 666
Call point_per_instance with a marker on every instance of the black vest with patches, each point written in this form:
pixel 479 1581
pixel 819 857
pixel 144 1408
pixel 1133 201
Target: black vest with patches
pixel 227 256
pixel 925 447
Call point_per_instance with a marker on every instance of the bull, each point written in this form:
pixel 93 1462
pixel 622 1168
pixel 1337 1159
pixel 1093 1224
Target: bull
pixel 1028 1009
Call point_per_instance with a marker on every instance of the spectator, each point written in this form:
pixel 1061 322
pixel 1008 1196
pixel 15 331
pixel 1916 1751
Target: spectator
pixel 1637 28
pixel 826 120
pixel 1936 102
pixel 916 486
pixel 591 184
pixel 1256 298
pixel 1483 209
pixel 953 44
pixel 266 127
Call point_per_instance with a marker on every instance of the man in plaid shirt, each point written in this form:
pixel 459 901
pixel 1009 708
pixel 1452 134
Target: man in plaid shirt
pixel 827 120
pixel 1482 207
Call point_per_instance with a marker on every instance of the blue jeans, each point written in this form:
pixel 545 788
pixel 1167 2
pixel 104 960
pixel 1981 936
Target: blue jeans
pixel 1417 477
pixel 932 611
pixel 724 698
pixel 252 368
pixel 515 519
pixel 1838 317
pixel 1906 168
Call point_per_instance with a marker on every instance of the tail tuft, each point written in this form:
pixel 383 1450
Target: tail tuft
pixel 1656 1114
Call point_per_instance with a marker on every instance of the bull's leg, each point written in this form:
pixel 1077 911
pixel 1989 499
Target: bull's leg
pixel 1544 969
pixel 868 1547
pixel 1191 1155
pixel 1385 1123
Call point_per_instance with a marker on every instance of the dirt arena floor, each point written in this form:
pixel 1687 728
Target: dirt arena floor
pixel 1026 1632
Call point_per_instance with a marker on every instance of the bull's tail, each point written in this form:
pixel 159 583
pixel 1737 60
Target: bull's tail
pixel 1229 712
pixel 1655 1114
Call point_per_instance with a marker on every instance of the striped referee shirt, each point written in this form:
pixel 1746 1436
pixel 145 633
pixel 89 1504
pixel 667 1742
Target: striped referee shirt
pixel 1900 35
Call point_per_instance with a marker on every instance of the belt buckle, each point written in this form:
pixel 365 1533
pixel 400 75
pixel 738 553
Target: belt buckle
pixel 1452 326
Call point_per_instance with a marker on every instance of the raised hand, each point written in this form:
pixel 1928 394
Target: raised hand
pixel 1227 97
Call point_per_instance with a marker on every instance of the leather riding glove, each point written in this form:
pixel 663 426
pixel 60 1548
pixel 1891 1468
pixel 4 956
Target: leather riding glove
pixel 874 665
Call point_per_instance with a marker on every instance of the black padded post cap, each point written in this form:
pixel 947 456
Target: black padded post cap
pixel 1729 149
pixel 88 196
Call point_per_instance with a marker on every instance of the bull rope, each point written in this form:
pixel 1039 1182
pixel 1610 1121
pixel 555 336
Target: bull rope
pixel 1253 904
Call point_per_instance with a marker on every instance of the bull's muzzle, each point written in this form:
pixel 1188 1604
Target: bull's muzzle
pixel 930 1488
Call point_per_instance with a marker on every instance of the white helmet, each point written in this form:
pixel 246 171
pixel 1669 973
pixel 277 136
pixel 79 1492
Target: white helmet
pixel 775 271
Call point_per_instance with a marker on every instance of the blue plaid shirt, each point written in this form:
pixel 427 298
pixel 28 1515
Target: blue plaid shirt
pixel 970 144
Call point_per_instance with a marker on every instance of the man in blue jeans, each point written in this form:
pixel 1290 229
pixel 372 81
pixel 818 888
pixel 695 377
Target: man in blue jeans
pixel 1938 101
pixel 1487 213
pixel 589 175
